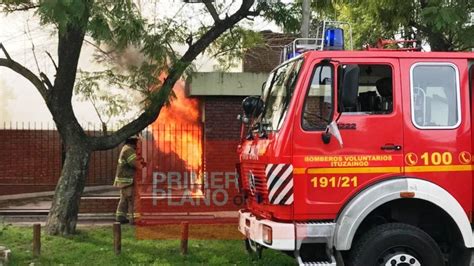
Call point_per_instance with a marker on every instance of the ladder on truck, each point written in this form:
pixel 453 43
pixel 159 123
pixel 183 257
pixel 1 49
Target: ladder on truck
pixel 301 45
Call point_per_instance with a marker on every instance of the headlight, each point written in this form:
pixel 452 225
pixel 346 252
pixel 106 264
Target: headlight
pixel 267 234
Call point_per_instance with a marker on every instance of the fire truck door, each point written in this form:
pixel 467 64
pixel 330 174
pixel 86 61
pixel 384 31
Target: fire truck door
pixel 437 132
pixel 371 131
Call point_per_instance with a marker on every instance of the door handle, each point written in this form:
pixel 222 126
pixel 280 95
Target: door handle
pixel 392 147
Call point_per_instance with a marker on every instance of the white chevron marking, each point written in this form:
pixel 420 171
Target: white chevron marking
pixel 281 179
pixel 269 166
pixel 283 192
pixel 289 200
pixel 274 174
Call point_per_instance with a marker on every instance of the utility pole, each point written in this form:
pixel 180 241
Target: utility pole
pixel 306 18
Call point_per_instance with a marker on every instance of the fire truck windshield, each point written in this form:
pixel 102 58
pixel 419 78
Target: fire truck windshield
pixel 278 92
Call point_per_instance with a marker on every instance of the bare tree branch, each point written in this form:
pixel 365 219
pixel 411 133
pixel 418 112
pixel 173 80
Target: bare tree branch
pixel 94 105
pixel 107 53
pixel 234 45
pixel 253 13
pixel 212 10
pixel 25 72
pixel 28 33
pixel 46 81
pixel 175 56
pixel 5 51
pixel 23 7
pixel 223 51
pixel 52 60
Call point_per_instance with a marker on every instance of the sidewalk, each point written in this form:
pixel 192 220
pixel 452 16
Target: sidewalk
pixel 93 190
pixel 30 208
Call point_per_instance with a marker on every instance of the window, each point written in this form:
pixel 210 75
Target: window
pixel 375 90
pixel 435 101
pixel 318 102
pixel 374 95
pixel 278 92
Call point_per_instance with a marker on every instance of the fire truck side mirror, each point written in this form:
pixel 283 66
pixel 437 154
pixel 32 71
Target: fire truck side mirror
pixel 349 88
pixel 253 106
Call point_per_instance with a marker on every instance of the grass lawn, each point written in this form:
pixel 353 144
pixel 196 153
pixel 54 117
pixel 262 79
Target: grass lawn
pixel 93 246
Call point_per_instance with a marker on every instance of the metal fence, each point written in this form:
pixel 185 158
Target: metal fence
pixel 174 150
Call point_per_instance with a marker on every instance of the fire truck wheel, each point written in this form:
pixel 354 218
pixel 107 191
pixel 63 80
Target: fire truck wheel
pixel 395 244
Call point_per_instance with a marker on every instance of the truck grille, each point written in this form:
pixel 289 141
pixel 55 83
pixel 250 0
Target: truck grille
pixel 269 184
pixel 255 181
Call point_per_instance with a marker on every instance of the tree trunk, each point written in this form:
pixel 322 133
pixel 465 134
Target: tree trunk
pixel 62 216
pixel 306 18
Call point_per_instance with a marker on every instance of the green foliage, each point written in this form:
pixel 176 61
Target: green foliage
pixel 117 23
pixel 3 226
pixel 64 13
pixel 106 103
pixel 157 43
pixel 115 28
pixel 287 16
pixel 365 29
pixel 444 24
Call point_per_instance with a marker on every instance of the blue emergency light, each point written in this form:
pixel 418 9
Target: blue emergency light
pixel 293 54
pixel 334 39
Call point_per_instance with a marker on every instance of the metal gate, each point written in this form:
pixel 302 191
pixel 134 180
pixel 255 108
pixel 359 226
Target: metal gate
pixel 174 157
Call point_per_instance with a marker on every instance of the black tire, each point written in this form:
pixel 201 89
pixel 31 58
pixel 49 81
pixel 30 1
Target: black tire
pixel 395 242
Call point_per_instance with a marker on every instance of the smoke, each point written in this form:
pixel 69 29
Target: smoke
pixel 123 59
pixel 131 56
pixel 6 95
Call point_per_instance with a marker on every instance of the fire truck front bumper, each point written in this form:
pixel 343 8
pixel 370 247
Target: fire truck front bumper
pixel 274 235
pixel 285 236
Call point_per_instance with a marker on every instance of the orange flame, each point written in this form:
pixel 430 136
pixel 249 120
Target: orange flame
pixel 181 124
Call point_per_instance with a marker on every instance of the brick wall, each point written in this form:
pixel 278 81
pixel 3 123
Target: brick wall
pixel 222 135
pixel 31 161
pixel 220 115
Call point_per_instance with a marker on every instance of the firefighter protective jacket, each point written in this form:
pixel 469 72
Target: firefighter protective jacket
pixel 126 166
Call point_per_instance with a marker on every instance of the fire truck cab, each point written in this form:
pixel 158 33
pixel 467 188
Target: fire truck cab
pixel 362 158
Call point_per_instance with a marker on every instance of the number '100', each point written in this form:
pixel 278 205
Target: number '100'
pixel 437 158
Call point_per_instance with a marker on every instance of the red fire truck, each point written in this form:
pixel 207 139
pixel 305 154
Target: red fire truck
pixel 361 158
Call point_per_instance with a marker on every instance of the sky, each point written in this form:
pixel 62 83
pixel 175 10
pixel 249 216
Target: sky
pixel 21 33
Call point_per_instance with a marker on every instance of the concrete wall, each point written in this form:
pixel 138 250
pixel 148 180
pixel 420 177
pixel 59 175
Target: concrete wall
pixel 225 84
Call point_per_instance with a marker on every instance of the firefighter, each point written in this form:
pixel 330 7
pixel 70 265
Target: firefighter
pixel 126 168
